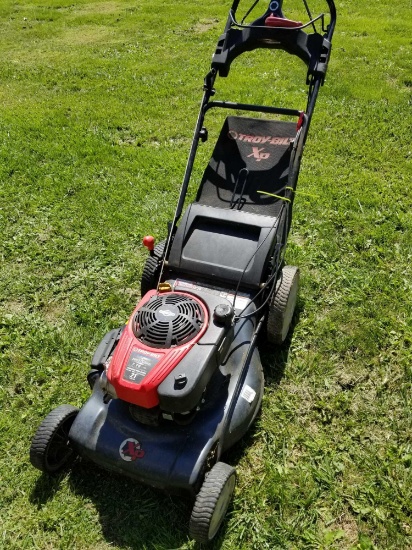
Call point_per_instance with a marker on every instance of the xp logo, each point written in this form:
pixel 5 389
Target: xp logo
pixel 257 153
pixel 130 450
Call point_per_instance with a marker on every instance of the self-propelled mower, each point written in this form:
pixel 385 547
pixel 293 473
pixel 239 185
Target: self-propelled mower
pixel 182 381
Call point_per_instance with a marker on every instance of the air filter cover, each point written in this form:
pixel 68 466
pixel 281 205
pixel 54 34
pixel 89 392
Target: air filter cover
pixel 168 320
pixel 161 331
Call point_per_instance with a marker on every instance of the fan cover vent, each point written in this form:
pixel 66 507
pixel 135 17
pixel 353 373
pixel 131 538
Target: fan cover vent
pixel 168 320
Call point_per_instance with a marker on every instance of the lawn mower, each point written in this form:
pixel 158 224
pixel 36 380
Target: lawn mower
pixel 182 381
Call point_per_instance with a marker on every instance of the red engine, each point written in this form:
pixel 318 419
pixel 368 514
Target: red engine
pixel 160 332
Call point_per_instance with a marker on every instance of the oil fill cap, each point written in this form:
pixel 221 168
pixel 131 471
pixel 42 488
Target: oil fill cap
pixel 223 314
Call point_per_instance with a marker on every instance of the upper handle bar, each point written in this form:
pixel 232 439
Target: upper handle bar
pixel 278 8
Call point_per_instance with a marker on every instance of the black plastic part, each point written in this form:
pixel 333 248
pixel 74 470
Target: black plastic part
pixel 203 135
pixel 148 417
pixel 251 107
pixel 237 41
pixel 180 381
pixel 92 376
pixel 313 49
pixel 201 363
pixel 105 348
pixel 182 390
pixel 223 314
pixel 245 244
pixel 321 48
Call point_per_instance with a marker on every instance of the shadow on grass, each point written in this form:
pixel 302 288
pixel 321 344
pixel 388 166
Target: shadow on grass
pixel 45 488
pixel 275 358
pixel 136 516
pixel 131 514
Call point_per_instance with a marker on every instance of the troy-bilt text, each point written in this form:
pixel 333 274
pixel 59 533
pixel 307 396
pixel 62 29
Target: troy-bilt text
pixel 259 139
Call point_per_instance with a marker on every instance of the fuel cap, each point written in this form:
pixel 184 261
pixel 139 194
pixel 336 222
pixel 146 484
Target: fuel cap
pixel 223 314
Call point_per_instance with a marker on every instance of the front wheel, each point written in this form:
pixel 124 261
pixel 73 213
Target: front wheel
pixel 50 450
pixel 212 502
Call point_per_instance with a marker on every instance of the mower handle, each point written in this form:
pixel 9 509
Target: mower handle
pixel 276 6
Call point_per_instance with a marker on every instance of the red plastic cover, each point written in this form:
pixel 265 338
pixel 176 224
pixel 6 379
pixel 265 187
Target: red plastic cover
pixel 136 370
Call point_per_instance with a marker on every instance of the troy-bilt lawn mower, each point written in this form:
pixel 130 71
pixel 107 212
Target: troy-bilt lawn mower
pixel 182 381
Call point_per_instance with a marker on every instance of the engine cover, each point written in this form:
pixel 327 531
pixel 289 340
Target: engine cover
pixel 160 332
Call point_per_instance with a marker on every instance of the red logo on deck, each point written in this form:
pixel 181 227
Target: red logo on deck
pixel 130 450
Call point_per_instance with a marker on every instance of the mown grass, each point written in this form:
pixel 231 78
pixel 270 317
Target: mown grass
pixel 98 101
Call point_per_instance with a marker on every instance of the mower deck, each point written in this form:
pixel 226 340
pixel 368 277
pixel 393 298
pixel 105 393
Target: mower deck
pixel 170 449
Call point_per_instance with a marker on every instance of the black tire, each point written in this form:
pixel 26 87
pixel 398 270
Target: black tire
pixel 50 450
pixel 212 502
pixel 282 305
pixel 151 269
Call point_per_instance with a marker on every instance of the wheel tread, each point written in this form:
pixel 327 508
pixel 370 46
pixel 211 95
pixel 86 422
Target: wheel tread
pixel 206 501
pixel 44 435
pixel 151 268
pixel 276 328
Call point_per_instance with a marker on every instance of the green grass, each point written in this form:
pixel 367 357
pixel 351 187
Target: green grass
pixel 97 105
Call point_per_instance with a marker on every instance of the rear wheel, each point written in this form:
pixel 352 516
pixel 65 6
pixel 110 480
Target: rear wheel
pixel 151 269
pixel 212 502
pixel 50 449
pixel 282 305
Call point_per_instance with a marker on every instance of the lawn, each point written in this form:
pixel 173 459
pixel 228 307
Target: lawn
pixel 97 105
